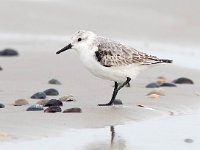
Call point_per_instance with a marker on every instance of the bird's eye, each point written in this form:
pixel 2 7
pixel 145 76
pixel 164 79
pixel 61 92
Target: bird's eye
pixel 79 39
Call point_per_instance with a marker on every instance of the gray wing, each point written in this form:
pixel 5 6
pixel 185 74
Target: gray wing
pixel 111 53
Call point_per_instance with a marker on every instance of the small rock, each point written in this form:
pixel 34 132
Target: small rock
pixel 35 107
pixel 42 102
pixel 188 140
pixel 8 52
pixel 53 102
pixel 69 98
pixel 140 105
pixel 154 96
pixel 3 135
pixel 117 102
pixel 72 110
pixel 54 81
pixel 1 68
pixel 152 85
pixel 53 109
pixel 20 102
pixel 183 80
pixel 158 92
pixel 168 85
pixel 39 95
pixel 161 80
pixel 51 92
pixel 2 105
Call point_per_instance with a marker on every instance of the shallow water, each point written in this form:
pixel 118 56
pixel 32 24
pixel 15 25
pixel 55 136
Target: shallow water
pixel 165 134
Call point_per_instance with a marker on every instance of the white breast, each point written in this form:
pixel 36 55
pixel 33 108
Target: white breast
pixel 119 74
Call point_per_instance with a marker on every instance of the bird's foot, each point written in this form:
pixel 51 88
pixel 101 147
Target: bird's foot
pixel 108 104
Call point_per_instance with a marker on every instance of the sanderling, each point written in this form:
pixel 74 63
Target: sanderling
pixel 109 59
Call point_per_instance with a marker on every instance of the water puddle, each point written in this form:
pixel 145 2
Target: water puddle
pixel 168 133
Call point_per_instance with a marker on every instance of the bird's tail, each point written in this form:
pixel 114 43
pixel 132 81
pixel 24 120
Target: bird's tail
pixel 166 61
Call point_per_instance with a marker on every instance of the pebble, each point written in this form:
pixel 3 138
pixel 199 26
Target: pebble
pixel 53 109
pixel 39 95
pixel 20 102
pixel 35 107
pixel 51 92
pixel 161 80
pixel 117 102
pixel 1 68
pixel 158 92
pixel 73 110
pixel 140 105
pixel 8 52
pixel 188 140
pixel 183 80
pixel 154 96
pixel 2 105
pixel 42 102
pixel 68 98
pixel 152 85
pixel 53 102
pixel 168 85
pixel 3 135
pixel 54 81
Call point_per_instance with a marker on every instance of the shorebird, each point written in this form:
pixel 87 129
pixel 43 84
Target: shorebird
pixel 111 60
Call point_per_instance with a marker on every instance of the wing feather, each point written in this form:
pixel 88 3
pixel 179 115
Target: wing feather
pixel 111 53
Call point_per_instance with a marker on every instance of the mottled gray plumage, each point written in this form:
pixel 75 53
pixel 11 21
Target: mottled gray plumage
pixel 111 53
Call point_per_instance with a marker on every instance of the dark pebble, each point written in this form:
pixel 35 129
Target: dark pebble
pixel 53 109
pixel 183 81
pixel 39 95
pixel 188 140
pixel 53 102
pixel 117 102
pixel 9 52
pixel 35 107
pixel 2 106
pixel 51 92
pixel 1 68
pixel 72 110
pixel 54 81
pixel 152 85
pixel 168 85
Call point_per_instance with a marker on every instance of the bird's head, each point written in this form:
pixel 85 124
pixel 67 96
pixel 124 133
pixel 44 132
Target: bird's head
pixel 79 41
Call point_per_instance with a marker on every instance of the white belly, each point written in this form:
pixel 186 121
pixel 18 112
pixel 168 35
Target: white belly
pixel 119 74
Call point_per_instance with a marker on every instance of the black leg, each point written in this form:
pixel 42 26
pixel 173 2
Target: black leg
pixel 113 96
pixel 125 83
pixel 116 89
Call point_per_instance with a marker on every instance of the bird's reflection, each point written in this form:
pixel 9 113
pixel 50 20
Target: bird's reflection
pixel 112 130
pixel 116 142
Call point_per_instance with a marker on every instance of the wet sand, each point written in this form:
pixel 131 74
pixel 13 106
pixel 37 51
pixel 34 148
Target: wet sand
pixel 38 34
pixel 30 72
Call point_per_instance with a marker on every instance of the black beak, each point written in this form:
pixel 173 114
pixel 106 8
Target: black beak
pixel 64 48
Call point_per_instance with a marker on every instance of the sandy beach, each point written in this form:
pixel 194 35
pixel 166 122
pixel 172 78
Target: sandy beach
pixel 37 29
